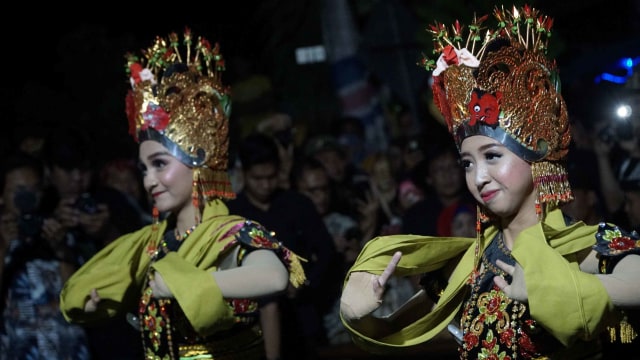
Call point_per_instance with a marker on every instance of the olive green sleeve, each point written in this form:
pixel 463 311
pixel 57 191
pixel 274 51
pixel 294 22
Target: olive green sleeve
pixel 566 301
pixel 420 254
pixel 197 293
pixel 116 272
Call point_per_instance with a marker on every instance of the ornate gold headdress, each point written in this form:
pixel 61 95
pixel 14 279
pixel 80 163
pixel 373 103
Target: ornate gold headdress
pixel 178 99
pixel 502 85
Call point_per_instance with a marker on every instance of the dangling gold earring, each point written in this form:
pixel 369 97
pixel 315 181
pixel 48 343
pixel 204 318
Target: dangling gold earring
pixel 538 209
pixel 152 248
pixel 156 217
pixel 195 194
pixel 481 218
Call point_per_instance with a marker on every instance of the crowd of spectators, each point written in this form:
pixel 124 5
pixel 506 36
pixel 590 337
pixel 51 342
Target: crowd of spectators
pixel 319 199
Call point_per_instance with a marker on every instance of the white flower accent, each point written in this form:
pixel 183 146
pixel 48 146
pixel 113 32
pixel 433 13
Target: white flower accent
pixel 145 74
pixel 464 58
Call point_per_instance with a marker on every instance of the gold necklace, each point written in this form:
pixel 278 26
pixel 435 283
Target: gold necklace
pixel 186 233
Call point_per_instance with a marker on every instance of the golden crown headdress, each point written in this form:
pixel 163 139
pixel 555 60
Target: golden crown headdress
pixel 178 99
pixel 500 83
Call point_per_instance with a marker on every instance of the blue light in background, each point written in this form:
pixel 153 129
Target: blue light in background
pixel 625 64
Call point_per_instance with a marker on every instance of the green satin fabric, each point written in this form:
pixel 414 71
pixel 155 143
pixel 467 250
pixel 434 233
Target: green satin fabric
pixel 118 273
pixel 570 304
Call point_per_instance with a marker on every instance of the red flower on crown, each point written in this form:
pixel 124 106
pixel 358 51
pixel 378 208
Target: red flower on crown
pixel 135 70
pixel 450 55
pixel 155 117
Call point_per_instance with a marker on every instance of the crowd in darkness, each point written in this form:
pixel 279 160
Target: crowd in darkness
pixel 69 168
pixel 335 194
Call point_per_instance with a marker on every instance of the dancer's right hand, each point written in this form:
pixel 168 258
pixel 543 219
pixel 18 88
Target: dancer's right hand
pixel 363 292
pixel 92 303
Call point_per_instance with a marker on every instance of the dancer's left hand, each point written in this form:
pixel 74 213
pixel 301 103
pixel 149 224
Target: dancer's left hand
pixel 159 287
pixel 517 290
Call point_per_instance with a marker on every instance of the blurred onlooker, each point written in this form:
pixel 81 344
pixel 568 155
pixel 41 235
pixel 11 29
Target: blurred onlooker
pixel 408 194
pixel 348 237
pixel 279 125
pixel 35 263
pixel 70 163
pixel 310 178
pixel 123 175
pixel 380 214
pixel 630 184
pixel 586 205
pixel 292 324
pixel 349 183
pixel 91 216
pixel 349 132
pixel 30 137
pixel 384 216
pixel 617 148
pixel 442 177
pixel 406 153
pixel 458 220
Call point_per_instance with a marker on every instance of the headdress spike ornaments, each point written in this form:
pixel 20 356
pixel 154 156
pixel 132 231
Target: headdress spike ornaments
pixel 178 99
pixel 499 83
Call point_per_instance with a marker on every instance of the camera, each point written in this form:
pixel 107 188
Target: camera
pixel 607 135
pixel 29 221
pixel 620 130
pixel 86 204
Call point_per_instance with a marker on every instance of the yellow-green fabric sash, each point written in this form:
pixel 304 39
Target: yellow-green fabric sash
pixel 547 253
pixel 118 273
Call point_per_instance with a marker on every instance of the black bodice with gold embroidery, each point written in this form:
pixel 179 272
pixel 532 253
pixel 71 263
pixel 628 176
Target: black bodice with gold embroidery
pixel 613 244
pixel 167 333
pixel 495 326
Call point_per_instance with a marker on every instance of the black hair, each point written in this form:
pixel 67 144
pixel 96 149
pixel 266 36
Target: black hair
pixel 22 253
pixel 257 149
pixel 20 160
pixel 434 150
pixel 69 148
pixel 305 164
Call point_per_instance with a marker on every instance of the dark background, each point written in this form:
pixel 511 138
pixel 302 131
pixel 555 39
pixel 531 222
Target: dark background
pixel 66 64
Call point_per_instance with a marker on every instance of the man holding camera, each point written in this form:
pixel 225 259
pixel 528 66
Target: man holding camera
pixel 617 149
pixel 35 264
pixel 91 218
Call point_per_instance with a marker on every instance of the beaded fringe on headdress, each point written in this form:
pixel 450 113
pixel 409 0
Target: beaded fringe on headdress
pixel 552 184
pixel 212 184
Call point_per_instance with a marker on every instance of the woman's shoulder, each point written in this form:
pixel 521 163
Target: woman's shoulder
pixel 254 235
pixel 248 233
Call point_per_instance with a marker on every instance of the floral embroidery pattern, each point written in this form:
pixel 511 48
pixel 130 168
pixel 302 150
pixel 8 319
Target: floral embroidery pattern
pixel 495 326
pixel 257 236
pixel 492 307
pixel 612 241
pixel 153 324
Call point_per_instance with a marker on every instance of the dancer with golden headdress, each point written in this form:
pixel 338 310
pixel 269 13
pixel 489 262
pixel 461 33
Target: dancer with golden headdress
pixel 533 283
pixel 190 282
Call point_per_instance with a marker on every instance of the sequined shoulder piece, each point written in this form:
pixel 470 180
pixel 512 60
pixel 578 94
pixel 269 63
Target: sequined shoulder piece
pixel 253 235
pixel 613 241
pixel 256 236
